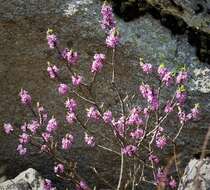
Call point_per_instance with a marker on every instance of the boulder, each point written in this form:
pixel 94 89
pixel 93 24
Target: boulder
pixel 191 173
pixel 26 180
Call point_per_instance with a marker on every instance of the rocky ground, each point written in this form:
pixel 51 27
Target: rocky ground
pixel 24 54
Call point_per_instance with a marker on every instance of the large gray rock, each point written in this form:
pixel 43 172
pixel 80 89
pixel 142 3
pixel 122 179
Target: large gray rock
pixel 24 54
pixel 191 172
pixel 27 180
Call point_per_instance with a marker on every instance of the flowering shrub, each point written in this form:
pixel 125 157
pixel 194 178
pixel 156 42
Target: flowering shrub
pixel 139 132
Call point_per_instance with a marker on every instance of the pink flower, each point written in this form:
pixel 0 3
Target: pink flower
pixel 53 71
pixel 46 136
pixel 161 177
pixel 167 79
pixel 146 67
pixel 71 117
pixel 153 158
pixel 82 186
pixel 71 105
pixel 63 89
pixel 21 150
pixel 93 113
pixel 59 168
pixel 134 118
pixel 113 38
pixel 129 150
pixel 48 185
pixel 76 80
pixel 51 39
pixel 98 62
pixel 52 125
pixel 181 94
pixel 70 56
pixel 33 126
pixel 25 97
pixel 161 142
pixel 107 116
pixel 182 77
pixel 90 140
pixel 137 134
pixel 172 183
pixel 67 141
pixel 168 108
pixel 24 138
pixel 8 128
pixel 108 21
pixel 119 126
pixel 195 111
pixel 162 70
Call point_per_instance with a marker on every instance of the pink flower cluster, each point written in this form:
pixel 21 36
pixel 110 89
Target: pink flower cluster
pixel 67 141
pixel 71 106
pixel 98 63
pixel 150 95
pixel 108 21
pixel 51 39
pixel 25 97
pixel 70 56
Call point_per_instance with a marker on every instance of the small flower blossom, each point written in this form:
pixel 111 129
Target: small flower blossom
pixel 63 89
pixel 161 177
pixel 33 126
pixel 53 71
pixel 59 168
pixel 71 105
pixel 183 117
pixel 167 79
pixel 76 80
pixel 82 186
pixel 72 57
pixel 137 134
pixel 98 63
pixel 161 142
pixel 172 183
pixel 67 141
pixel 134 118
pixel 129 150
pixel 90 140
pixel 71 117
pixel 107 117
pixel 42 113
pixel 21 150
pixel 113 38
pixel 195 111
pixel 181 95
pixel 48 185
pixel 150 95
pixel 108 21
pixel 52 125
pixel 146 67
pixel 8 128
pixel 153 158
pixel 181 77
pixel 168 108
pixel 25 97
pixel 51 39
pixel 93 113
pixel 162 70
pixel 120 126
pixel 46 136
pixel 44 148
pixel 24 138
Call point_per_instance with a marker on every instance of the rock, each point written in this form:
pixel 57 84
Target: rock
pixel 181 16
pixel 27 180
pixel 188 179
pixel 24 54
